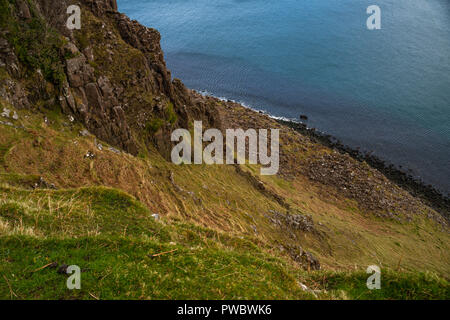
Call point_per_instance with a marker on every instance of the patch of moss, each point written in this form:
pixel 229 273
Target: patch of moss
pixel 170 114
pixel 154 125
pixel 35 44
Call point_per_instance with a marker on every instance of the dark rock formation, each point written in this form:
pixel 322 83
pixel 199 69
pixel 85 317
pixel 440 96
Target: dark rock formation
pixel 115 99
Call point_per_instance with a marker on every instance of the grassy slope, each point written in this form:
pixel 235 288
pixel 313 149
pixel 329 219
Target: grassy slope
pixel 209 214
pixel 112 237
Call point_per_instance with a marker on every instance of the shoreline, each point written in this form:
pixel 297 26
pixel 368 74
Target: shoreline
pixel 418 188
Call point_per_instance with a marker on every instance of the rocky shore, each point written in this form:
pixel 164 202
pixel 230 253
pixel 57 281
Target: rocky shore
pixel 433 197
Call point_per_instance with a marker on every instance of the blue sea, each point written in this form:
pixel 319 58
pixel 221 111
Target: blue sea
pixel 386 91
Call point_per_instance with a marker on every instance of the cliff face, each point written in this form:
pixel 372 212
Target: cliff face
pixel 110 75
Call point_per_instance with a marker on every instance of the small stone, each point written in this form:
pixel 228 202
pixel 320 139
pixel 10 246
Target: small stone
pixel 71 48
pixel 304 287
pixel 24 11
pixel 89 53
pixel 98 145
pixel 156 216
pixel 6 112
pixel 84 133
pixel 114 150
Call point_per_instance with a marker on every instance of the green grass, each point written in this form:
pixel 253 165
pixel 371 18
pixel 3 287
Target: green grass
pixel 122 268
pixel 112 238
pixel 394 285
pixel 75 213
pixel 171 114
pixel 154 125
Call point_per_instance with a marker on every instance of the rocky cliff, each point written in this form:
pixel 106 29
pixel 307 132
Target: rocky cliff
pixel 110 75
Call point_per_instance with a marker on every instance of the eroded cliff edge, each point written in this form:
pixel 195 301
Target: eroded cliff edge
pixel 110 75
